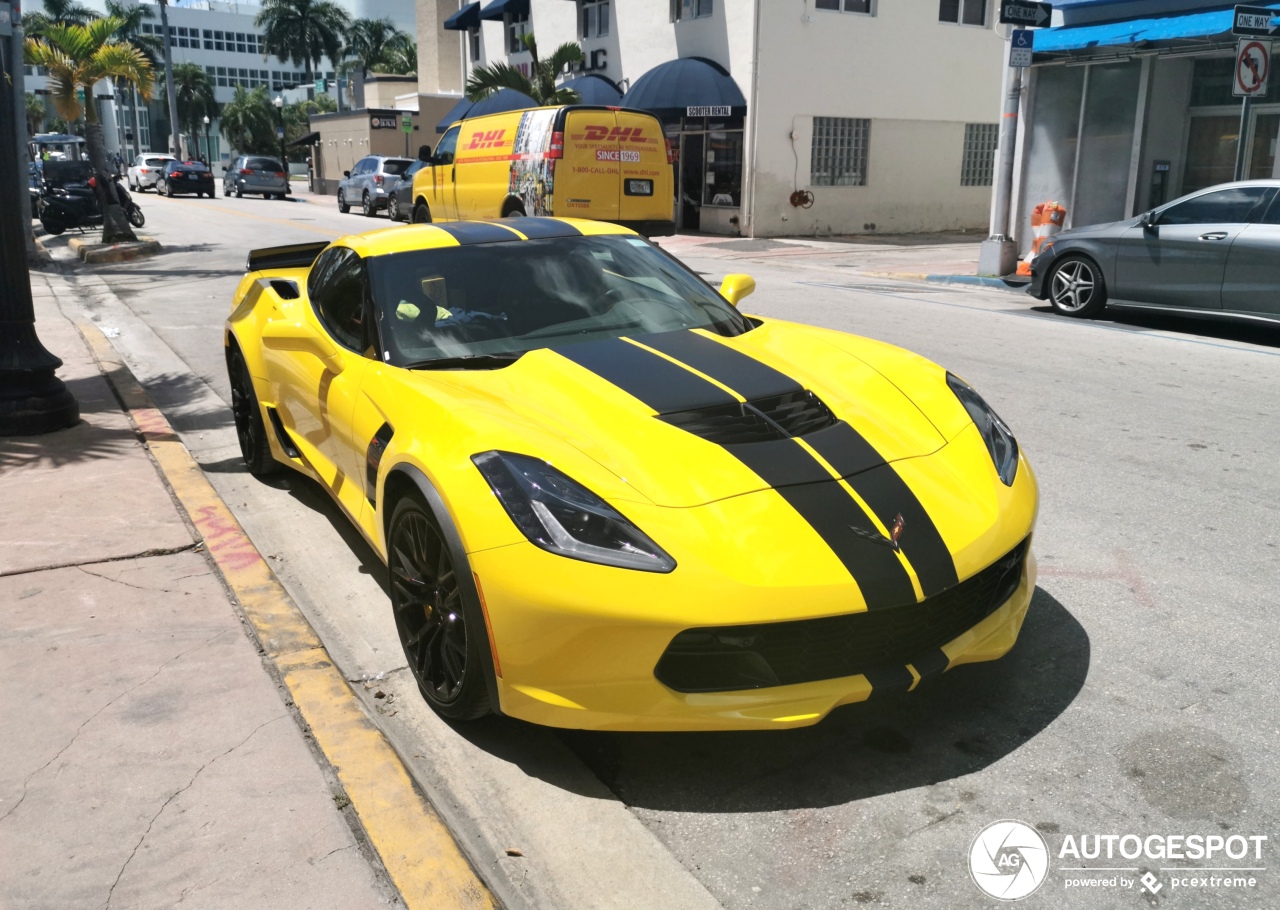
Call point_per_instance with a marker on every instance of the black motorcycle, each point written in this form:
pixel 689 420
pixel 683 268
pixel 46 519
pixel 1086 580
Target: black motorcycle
pixel 67 199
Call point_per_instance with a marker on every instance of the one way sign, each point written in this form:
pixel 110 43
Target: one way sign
pixel 1025 12
pixel 1252 21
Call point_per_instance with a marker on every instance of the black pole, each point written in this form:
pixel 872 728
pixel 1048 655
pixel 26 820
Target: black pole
pixel 32 399
pixel 284 158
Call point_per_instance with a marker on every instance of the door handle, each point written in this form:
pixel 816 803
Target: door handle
pixel 1214 235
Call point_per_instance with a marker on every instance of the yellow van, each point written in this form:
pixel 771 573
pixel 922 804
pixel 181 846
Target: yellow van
pixel 604 163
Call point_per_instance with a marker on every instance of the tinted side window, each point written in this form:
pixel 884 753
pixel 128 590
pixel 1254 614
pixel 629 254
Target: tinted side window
pixel 339 299
pixel 1273 212
pixel 1231 206
pixel 448 145
pixel 413 169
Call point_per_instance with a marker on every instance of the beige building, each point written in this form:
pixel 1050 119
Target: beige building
pixel 806 117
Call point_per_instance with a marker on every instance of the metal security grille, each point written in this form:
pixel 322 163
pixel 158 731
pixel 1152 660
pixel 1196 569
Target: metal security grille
pixel 839 153
pixel 980 140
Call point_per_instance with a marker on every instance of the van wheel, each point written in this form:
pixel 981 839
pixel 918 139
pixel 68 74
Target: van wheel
pixel 513 210
pixel 421 214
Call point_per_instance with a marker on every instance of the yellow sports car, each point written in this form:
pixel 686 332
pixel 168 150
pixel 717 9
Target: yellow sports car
pixel 609 500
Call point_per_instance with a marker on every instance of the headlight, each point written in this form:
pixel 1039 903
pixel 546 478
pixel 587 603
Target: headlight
pixel 995 433
pixel 564 517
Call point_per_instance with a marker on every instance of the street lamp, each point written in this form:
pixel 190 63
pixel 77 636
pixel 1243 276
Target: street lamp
pixel 208 147
pixel 279 103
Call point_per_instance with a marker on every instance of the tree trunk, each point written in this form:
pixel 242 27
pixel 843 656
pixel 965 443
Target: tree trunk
pixel 115 226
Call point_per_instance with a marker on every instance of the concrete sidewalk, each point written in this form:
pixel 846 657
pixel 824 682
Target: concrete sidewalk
pixel 147 756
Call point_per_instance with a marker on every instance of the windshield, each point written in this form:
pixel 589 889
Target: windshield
pixel 508 298
pixel 263 164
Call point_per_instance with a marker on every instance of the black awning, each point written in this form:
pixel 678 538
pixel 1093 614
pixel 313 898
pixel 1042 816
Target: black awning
pixel 309 139
pixel 673 88
pixel 595 89
pixel 497 8
pixel 501 101
pixel 466 18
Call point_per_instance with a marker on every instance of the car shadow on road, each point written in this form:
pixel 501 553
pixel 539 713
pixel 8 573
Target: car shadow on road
pixel 962 722
pixel 1219 329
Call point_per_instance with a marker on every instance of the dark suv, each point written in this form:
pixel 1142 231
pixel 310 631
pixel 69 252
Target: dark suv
pixel 255 174
pixel 367 183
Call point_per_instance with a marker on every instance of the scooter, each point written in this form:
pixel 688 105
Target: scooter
pixel 67 200
pixel 131 210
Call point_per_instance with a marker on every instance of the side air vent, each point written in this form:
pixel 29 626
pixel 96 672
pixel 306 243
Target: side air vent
pixel 777 417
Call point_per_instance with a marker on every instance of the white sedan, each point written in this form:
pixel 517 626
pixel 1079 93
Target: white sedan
pixel 146 170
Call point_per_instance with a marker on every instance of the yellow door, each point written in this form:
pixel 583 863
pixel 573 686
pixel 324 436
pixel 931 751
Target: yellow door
pixel 645 186
pixel 483 163
pixel 587 178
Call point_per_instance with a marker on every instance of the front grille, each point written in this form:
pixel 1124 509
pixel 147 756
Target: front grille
pixel 729 658
pixel 777 417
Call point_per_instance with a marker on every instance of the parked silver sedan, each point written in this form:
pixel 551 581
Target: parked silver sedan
pixel 1212 253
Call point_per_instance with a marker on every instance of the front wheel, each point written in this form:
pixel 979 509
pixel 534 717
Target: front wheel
pixel 53 225
pixel 251 430
pixel 440 632
pixel 1077 288
pixel 342 202
pixel 136 218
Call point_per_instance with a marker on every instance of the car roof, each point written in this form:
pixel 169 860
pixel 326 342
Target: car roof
pixel 404 239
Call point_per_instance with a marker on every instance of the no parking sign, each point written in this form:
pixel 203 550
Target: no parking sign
pixel 1253 66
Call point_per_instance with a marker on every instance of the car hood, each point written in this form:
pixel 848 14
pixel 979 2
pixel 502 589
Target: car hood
pixel 663 414
pixel 1110 227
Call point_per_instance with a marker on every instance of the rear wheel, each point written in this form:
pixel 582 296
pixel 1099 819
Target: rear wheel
pixel 1077 288
pixel 421 214
pixel 367 205
pixel 239 191
pixel 342 202
pixel 251 430
pixel 513 210
pixel 52 224
pixel 441 634
pixel 168 189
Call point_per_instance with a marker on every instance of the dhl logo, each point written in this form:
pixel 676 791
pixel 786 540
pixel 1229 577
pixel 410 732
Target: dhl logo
pixel 614 134
pixel 486 140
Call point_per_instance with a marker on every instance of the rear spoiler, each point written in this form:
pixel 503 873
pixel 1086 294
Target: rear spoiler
pixel 294 256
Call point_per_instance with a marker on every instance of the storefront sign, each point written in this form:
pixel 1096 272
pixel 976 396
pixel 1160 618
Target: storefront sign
pixel 1024 12
pixel 709 111
pixel 1253 65
pixel 379 122
pixel 1255 20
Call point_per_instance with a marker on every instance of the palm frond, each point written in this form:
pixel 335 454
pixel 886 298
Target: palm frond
pixel 486 80
pixel 122 62
pixel 565 56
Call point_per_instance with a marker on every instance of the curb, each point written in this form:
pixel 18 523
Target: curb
pixel 971 280
pixel 113 252
pixel 418 851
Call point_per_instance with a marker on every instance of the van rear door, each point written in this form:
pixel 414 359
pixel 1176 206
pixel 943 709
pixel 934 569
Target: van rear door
pixel 645 192
pixel 587 177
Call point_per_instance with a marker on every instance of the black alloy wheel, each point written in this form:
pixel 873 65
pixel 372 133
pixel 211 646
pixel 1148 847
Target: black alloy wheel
pixel 440 634
pixel 342 202
pixel 393 208
pixel 367 205
pixel 421 214
pixel 251 430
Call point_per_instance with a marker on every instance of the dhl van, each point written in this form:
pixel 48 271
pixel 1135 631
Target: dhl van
pixel 603 163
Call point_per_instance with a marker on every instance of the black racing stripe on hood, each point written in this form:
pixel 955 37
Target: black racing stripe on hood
pixel 658 382
pixel 744 374
pixel 542 228
pixel 833 513
pixel 468 232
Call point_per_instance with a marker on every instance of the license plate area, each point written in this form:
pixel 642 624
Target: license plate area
pixel 633 187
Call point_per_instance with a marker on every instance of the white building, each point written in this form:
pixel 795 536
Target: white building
pixel 805 117
pixel 221 37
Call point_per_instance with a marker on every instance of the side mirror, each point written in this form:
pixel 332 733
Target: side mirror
pixel 298 336
pixel 424 153
pixel 346 173
pixel 736 287
pixel 1150 219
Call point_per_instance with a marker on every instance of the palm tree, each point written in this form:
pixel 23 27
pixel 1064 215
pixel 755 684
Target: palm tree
pixel 371 45
pixel 249 122
pixel 486 80
pixel 195 96
pixel 35 114
pixel 133 16
pixel 57 12
pixel 77 58
pixel 401 57
pixel 303 31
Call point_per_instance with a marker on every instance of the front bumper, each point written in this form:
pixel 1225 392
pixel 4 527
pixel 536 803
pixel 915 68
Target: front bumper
pixel 1039 287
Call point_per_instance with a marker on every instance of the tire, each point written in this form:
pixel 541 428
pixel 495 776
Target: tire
pixel 367 205
pixel 251 429
pixel 342 202
pixel 168 189
pixel 1077 288
pixel 393 208
pixel 513 210
pixel 239 191
pixel 53 226
pixel 136 218
pixel 440 631
pixel 421 214
pixel 133 187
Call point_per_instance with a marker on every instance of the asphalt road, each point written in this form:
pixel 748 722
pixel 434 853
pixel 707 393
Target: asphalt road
pixel 1141 698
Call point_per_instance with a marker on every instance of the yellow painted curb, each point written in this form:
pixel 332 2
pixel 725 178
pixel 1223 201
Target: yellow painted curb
pixel 415 846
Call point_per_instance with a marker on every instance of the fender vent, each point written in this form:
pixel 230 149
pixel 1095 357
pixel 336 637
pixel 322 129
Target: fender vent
pixel 282 435
pixel 783 416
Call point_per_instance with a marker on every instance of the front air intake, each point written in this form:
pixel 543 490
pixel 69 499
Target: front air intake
pixel 783 416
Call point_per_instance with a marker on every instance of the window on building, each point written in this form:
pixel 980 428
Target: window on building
pixel 723 184
pixel 866 7
pixel 690 9
pixel 963 12
pixel 473 44
pixel 980 140
pixel 517 28
pixel 593 18
pixel 222 77
pixel 839 153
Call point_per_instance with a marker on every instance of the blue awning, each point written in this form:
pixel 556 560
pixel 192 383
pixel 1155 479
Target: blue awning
pixel 595 89
pixel 1211 24
pixel 496 8
pixel 465 18
pixel 501 101
pixel 670 88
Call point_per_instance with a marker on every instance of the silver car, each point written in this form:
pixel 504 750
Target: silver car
pixel 1214 253
pixel 368 183
pixel 255 174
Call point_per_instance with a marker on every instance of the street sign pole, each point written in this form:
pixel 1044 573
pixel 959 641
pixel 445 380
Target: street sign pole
pixel 1241 147
pixel 999 253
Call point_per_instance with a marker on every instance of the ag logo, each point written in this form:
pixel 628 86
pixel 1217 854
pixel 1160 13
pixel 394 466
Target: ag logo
pixel 1008 860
